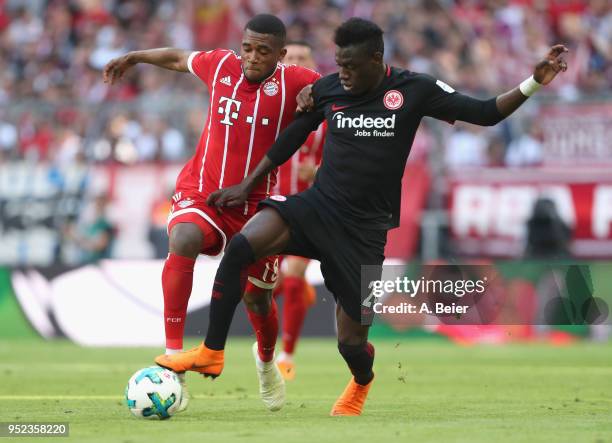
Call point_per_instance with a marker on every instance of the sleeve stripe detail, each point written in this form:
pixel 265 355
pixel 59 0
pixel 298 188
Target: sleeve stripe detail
pixel 190 62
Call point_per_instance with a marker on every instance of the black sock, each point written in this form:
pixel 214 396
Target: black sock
pixel 360 359
pixel 227 290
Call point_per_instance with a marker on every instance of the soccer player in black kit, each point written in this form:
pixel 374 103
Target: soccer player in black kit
pixel 372 111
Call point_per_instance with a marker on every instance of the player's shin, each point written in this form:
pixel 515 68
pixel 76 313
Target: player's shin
pixel 294 311
pixel 263 315
pixel 227 290
pixel 177 281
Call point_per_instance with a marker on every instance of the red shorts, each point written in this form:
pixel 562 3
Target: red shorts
pixel 218 229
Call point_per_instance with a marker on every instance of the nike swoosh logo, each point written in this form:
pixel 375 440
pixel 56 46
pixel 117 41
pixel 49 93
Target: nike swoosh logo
pixel 335 108
pixel 194 366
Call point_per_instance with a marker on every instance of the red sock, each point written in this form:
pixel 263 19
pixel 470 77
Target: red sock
pixel 177 279
pixel 294 311
pixel 266 331
pixel 278 290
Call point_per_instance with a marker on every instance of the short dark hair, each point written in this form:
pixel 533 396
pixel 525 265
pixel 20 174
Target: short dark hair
pixel 299 43
pixel 357 31
pixel 268 24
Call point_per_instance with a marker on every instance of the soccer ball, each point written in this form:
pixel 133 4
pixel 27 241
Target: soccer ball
pixel 153 392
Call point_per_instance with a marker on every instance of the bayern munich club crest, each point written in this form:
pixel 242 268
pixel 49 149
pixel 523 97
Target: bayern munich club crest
pixel 185 203
pixel 270 89
pixel 393 100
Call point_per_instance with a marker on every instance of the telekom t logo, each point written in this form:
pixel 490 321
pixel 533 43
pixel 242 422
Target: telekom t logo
pixel 228 110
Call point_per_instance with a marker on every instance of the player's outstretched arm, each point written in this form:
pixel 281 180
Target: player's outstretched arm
pixel 544 72
pixel 167 58
pixel 446 104
pixel 283 148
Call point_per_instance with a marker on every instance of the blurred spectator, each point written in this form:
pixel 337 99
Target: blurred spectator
pixel 526 150
pixel 172 143
pixel 496 152
pixel 94 233
pixel 158 234
pixel 8 139
pixel 466 146
pixel 52 53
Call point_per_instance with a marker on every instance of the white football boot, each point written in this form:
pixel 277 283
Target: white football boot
pixel 271 382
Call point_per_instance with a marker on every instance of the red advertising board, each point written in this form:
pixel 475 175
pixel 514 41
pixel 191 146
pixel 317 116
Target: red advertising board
pixel 489 208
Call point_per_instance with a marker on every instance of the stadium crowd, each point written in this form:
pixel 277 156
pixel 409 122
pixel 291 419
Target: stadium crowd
pixel 53 102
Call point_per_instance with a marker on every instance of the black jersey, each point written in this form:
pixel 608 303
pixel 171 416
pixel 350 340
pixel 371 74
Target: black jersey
pixel 369 138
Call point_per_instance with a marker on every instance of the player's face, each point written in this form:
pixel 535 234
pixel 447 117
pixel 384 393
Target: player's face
pixel 359 70
pixel 299 55
pixel 260 53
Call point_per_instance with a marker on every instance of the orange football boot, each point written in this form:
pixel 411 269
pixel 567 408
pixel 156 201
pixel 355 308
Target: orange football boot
pixel 310 294
pixel 200 359
pixel 287 369
pixel 352 399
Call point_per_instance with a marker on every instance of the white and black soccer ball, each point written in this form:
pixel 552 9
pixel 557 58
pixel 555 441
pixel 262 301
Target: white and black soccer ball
pixel 153 393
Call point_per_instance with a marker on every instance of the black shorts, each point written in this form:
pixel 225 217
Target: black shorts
pixel 319 232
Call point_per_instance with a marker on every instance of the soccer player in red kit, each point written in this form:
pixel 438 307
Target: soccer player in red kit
pixel 252 99
pixel 296 176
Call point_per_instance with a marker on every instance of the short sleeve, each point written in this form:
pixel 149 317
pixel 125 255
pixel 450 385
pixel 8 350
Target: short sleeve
pixel 310 76
pixel 301 76
pixel 200 63
pixel 441 100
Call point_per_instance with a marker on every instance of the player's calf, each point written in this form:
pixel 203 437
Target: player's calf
pixel 177 280
pixel 360 359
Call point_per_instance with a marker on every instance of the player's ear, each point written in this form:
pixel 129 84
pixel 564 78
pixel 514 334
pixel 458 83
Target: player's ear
pixel 378 57
pixel 282 54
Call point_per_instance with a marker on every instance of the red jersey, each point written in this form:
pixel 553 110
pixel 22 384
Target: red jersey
pixel 288 181
pixel 244 119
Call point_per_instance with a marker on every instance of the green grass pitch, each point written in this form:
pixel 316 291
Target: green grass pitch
pixel 424 391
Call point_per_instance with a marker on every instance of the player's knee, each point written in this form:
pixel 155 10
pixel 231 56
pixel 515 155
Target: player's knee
pixel 238 252
pixel 267 232
pixel 296 267
pixel 186 240
pixel 258 303
pixel 352 336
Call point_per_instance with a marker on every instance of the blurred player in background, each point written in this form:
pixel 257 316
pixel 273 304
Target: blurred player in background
pixel 252 98
pixel 296 176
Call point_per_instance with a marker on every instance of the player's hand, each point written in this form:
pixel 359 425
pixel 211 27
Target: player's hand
pixel 307 170
pixel 233 196
pixel 305 103
pixel 116 68
pixel 553 63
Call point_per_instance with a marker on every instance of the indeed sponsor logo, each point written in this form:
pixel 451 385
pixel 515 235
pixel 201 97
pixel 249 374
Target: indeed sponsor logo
pixel 363 122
